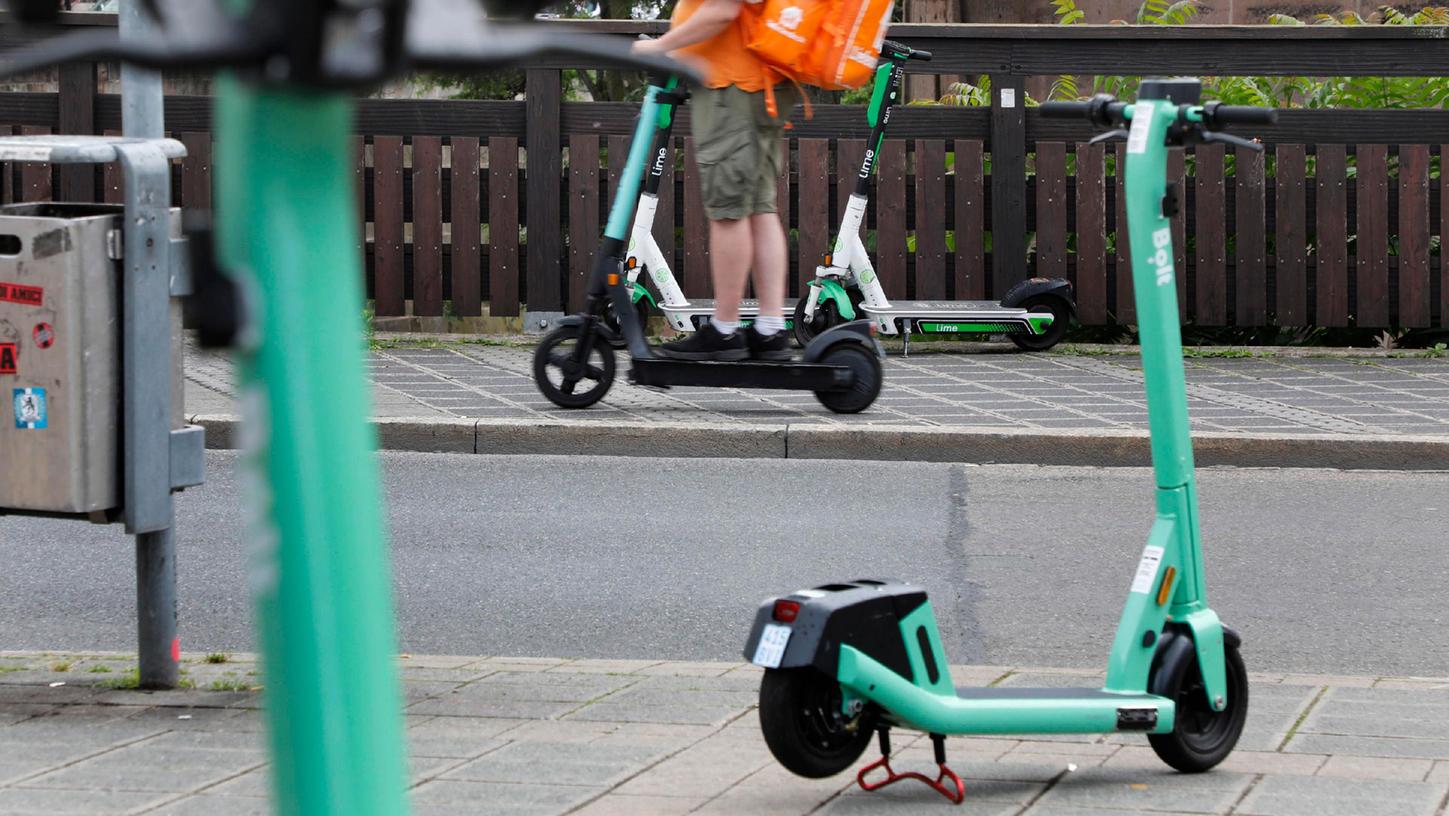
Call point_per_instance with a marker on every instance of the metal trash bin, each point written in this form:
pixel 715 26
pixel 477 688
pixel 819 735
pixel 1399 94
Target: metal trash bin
pixel 60 357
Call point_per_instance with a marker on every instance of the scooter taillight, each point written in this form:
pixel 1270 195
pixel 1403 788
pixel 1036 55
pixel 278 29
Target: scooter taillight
pixel 786 611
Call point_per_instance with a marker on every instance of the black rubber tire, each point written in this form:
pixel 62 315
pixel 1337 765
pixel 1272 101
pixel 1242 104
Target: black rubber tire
pixel 801 720
pixel 827 316
pixel 868 377
pixel 1201 737
pixel 641 310
pixel 549 358
pixel 1061 312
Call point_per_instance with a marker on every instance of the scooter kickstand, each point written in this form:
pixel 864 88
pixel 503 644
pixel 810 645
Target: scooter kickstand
pixel 946 783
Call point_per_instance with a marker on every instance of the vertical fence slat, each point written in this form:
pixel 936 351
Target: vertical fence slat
pixel 890 218
pixel 813 218
pixel 427 179
pixel 35 177
pixel 1210 284
pixel 930 219
pixel 583 213
pixel 7 169
pixel 970 272
pixel 1008 182
pixel 1126 304
pixel 1372 244
pixel 1331 236
pixel 1177 174
pixel 1290 264
pixel 1091 235
pixel 77 99
pixel 503 272
pixel 782 208
pixel 357 150
pixel 1443 235
pixel 1051 209
pixel 464 251
pixel 196 172
pixel 387 217
pixel 696 276
pixel 543 96
pixel 1414 236
pixel 1249 268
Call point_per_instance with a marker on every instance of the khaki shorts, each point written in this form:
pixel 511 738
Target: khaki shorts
pixel 738 149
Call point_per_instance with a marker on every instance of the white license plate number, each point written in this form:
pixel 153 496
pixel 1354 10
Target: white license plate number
pixel 772 646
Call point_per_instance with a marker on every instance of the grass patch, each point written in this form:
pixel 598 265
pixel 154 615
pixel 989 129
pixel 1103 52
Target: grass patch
pixel 216 657
pixel 230 682
pixel 100 668
pixel 131 680
pixel 61 666
pixel 11 667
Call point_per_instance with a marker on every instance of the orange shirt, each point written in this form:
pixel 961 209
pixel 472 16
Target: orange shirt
pixel 730 63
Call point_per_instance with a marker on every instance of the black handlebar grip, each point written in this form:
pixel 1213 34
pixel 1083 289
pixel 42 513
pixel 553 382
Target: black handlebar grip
pixel 1243 115
pixel 1065 110
pixel 923 56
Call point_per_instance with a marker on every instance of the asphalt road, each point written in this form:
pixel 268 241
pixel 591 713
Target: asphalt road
pixel 1322 571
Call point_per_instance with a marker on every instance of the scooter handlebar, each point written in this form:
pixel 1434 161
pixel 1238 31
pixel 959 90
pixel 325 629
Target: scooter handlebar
pixel 1101 110
pixel 893 48
pixel 1218 115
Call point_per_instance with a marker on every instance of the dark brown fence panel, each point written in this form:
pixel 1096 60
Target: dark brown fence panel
pixel 1091 235
pixel 1126 303
pixel 543 97
pixel 427 180
pixel 196 171
pixel 782 207
pixel 1291 236
pixel 1250 270
pixel 695 273
pixel 358 151
pixel 1331 236
pixel 1414 236
pixel 970 272
pixel 930 226
pixel 35 177
pixel 464 250
pixel 1210 273
pixel 111 192
pixel 387 216
pixel 1372 245
pixel 503 271
pixel 583 213
pixel 1443 234
pixel 890 216
pixel 1051 210
pixel 812 216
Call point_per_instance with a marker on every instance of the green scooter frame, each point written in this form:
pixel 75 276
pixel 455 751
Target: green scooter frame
pixel 844 660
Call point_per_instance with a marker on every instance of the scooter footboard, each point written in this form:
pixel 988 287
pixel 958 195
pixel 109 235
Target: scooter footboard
pixel 810 626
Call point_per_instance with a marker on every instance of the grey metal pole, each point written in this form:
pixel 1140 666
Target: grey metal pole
pixel 159 646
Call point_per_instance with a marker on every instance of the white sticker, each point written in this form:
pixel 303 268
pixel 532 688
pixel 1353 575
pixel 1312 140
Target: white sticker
pixel 772 646
pixel 1008 97
pixel 1147 570
pixel 1141 123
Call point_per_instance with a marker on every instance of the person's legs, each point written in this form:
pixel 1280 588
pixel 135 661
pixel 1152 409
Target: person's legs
pixel 732 248
pixel 769 269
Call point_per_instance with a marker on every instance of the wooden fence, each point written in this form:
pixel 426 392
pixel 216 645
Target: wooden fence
pixel 1337 224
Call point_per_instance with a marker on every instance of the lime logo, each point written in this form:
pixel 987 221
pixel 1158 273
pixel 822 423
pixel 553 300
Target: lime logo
pixel 662 273
pixel 631 243
pixel 867 276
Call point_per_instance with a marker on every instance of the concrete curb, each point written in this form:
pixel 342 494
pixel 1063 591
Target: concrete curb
pixel 877 443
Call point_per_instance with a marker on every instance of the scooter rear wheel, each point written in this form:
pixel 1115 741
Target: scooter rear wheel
pixel 559 378
pixel 1061 312
pixel 868 377
pixel 803 725
pixel 641 310
pixel 1200 737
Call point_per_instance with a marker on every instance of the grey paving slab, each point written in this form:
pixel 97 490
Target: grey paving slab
pixel 1319 796
pixel 453 796
pixel 33 802
pixel 1143 789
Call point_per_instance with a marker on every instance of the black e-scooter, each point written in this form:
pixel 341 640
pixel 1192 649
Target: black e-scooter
pixel 574 364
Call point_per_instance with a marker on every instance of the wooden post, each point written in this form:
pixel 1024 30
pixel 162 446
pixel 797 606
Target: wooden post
pixel 1008 182
pixel 543 95
pixel 77 118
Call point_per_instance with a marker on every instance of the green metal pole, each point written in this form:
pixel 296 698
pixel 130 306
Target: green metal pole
pixel 318 561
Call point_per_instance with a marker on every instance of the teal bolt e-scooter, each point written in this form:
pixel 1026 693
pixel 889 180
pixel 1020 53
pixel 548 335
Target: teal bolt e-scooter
pixel 845 660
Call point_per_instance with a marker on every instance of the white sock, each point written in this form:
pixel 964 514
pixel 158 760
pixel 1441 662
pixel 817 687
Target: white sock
pixel 767 325
pixel 725 327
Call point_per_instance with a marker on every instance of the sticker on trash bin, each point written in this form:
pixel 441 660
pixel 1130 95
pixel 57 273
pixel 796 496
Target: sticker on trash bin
pixel 9 364
pixel 30 411
pixel 44 335
pixel 19 293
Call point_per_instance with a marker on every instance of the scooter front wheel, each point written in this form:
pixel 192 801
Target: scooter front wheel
pixel 868 376
pixel 567 382
pixel 801 717
pixel 1201 737
pixel 826 316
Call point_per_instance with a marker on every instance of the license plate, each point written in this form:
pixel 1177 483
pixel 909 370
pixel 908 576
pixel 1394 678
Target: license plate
pixel 772 646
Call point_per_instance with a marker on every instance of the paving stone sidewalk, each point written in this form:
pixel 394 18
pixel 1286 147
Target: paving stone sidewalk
pixel 506 735
pixel 986 389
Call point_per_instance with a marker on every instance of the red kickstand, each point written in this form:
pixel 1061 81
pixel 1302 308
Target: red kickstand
pixel 947 783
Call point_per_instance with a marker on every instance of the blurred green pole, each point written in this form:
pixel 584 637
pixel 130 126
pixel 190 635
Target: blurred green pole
pixel 318 563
